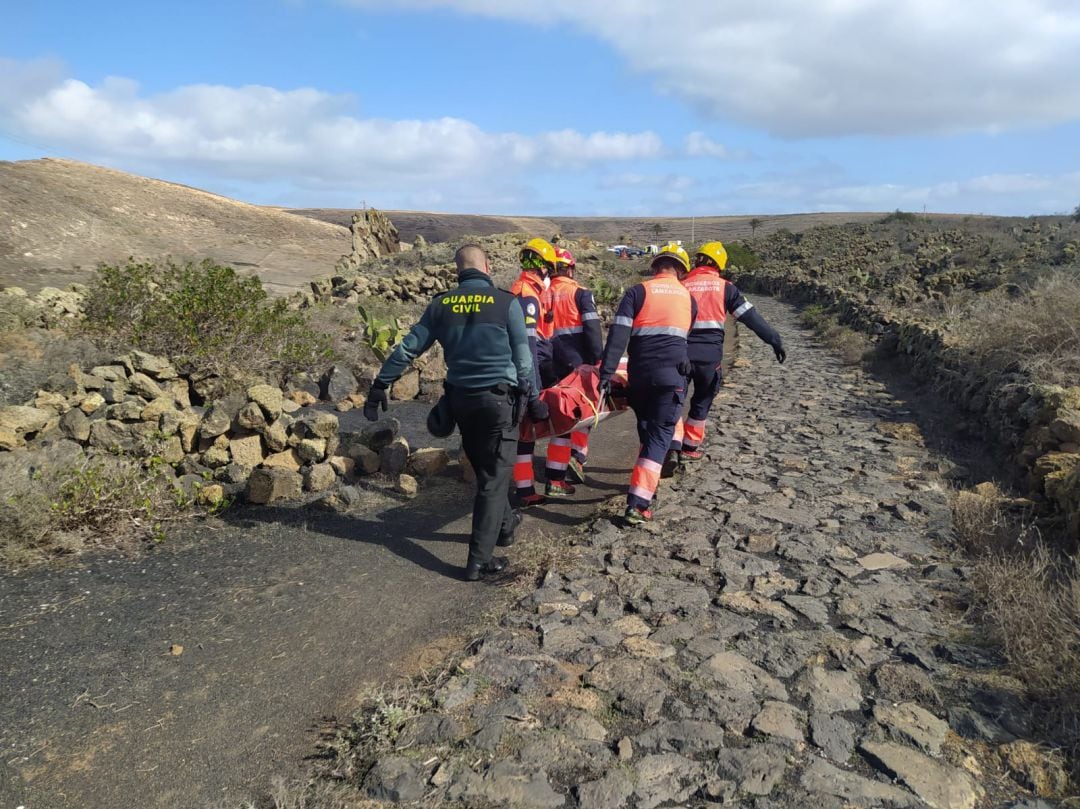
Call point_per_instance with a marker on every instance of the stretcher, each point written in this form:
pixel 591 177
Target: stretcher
pixel 575 403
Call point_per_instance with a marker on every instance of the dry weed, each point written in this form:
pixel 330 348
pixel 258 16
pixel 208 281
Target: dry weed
pixel 1037 332
pixel 104 502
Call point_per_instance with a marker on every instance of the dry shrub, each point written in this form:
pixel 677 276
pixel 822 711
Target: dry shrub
pixel 851 346
pixel 981 524
pixel 90 503
pixel 1032 602
pixel 1037 332
pixel 1030 597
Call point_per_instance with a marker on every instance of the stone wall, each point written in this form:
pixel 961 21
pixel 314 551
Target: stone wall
pixel 263 444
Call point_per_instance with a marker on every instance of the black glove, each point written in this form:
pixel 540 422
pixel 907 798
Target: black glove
pixel 605 388
pixel 685 368
pixel 376 396
pixel 778 350
pixel 538 411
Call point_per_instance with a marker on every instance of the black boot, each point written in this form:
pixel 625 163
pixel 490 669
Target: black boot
pixel 474 571
pixel 507 536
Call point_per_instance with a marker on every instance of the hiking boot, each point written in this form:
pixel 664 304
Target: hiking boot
pixel 691 454
pixel 558 488
pixel 474 571
pixel 531 499
pixel 508 537
pixel 576 470
pixel 637 516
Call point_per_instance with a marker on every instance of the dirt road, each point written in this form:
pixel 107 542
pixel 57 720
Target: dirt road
pixel 283 616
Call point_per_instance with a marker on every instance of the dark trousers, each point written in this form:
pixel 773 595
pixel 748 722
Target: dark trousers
pixel 489 440
pixel 657 410
pixel 707 380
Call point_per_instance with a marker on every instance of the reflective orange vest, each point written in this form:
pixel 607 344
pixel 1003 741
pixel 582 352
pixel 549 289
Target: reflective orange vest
pixel 666 310
pixel 565 316
pixel 528 285
pixel 708 289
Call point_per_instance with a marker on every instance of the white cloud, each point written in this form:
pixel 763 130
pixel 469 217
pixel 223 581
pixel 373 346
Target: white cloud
pixel 1005 194
pixel 835 67
pixel 304 136
pixel 698 144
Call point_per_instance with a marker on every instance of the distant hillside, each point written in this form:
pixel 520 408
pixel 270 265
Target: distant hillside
pixel 59 218
pixel 440 227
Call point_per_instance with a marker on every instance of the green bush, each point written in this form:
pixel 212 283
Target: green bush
pixel 901 217
pixel 741 256
pixel 203 316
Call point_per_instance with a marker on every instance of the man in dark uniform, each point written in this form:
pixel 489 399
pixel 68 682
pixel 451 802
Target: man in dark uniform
pixel 489 366
pixel 652 324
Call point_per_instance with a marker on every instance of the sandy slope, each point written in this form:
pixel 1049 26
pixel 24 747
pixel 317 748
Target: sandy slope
pixel 59 218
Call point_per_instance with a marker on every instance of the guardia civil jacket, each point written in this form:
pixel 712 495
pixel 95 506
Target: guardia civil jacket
pixel 482 332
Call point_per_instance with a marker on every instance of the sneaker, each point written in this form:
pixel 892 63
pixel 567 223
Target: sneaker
pixel 558 488
pixel 637 516
pixel 691 454
pixel 576 470
pixel 508 538
pixel 533 499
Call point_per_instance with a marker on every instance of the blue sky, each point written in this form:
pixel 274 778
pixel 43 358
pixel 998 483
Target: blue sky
pixel 580 107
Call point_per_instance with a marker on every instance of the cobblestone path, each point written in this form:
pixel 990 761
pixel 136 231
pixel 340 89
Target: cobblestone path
pixel 781 636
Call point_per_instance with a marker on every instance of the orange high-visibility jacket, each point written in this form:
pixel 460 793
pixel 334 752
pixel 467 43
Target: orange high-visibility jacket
pixel 652 323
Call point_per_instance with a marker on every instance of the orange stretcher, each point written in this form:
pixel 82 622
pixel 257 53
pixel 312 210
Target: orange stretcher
pixel 575 403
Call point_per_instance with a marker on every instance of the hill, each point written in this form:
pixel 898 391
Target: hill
pixel 62 217
pixel 439 227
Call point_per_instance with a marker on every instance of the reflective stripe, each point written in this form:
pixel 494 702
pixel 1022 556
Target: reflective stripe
pixel 645 331
pixel 590 316
pixel 524 459
pixel 650 465
pixel 568 330
pixel 643 493
pixel 707 324
pixel 559 441
pixel 556 464
pixel 530 332
pixel 624 321
pixel 695 422
pixel 742 310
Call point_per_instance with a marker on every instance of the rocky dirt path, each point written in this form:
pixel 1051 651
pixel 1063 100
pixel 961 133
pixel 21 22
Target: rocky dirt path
pixel 785 634
pixel 283 616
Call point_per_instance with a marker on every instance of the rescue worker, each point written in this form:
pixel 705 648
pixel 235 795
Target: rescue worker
pixel 537 264
pixel 576 339
pixel 652 322
pixel 716 298
pixel 489 373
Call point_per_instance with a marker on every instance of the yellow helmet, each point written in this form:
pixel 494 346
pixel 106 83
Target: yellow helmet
pixel 540 247
pixel 672 250
pixel 715 251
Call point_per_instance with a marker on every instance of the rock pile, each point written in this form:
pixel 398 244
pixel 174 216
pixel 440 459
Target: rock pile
pixel 47 308
pixel 262 443
pixel 779 637
pixel 373 235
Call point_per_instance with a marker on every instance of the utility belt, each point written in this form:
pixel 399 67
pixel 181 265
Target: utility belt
pixel 502 389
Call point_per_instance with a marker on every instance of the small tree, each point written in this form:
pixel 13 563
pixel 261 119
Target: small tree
pixel 754 225
pixel 658 229
pixel 1076 214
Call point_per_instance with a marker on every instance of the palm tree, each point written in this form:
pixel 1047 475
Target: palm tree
pixel 754 225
